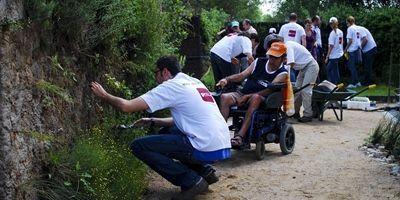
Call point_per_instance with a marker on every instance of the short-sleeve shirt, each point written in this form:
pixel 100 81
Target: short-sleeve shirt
pixel 297 54
pixel 371 42
pixel 292 31
pixel 336 39
pixel 318 35
pixel 193 110
pixel 231 46
pixel 354 34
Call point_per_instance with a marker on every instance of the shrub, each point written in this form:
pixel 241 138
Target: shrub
pixel 388 134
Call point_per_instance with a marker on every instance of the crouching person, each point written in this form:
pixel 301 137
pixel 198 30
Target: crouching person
pixel 259 74
pixel 200 136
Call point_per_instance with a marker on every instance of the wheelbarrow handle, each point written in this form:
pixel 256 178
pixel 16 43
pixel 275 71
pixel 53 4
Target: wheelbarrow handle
pixel 359 92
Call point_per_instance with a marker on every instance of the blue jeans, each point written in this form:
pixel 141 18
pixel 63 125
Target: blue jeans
pixel 352 65
pixel 159 152
pixel 368 61
pixel 333 70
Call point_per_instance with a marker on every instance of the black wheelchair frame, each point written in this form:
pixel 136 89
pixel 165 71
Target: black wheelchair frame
pixel 268 124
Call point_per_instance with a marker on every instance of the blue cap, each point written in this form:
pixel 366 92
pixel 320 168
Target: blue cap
pixel 234 23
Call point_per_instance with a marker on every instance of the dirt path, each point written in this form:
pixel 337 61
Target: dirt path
pixel 326 164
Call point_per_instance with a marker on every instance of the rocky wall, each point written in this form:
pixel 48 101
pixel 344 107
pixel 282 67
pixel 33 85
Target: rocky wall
pixel 28 113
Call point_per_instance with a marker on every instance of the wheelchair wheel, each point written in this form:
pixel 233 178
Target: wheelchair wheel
pixel 287 139
pixel 260 150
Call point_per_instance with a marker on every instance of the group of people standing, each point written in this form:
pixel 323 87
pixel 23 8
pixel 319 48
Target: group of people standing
pixel 305 54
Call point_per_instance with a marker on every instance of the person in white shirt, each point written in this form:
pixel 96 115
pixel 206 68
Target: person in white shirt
pixel 223 55
pixel 353 48
pixel 335 51
pixel 200 136
pixel 292 31
pixel 248 27
pixel 299 58
pixel 369 50
pixel 316 20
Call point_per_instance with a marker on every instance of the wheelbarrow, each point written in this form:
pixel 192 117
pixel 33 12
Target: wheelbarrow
pixel 324 97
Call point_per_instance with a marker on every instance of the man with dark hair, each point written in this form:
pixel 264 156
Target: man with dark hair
pixel 248 27
pixel 199 133
pixel 292 31
pixel 261 72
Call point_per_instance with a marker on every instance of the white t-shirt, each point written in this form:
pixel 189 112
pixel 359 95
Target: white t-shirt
pixel 297 54
pixel 292 32
pixel 251 30
pixel 318 35
pixel 336 39
pixel 354 34
pixel 193 110
pixel 371 42
pixel 231 46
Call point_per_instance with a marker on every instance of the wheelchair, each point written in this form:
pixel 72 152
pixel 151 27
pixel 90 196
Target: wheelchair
pixel 268 124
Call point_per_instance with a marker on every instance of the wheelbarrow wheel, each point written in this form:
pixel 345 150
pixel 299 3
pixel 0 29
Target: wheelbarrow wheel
pixel 260 150
pixel 287 139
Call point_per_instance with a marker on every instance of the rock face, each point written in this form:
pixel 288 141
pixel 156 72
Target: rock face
pixel 27 112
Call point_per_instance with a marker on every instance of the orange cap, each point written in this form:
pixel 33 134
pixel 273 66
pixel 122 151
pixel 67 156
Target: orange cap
pixel 277 49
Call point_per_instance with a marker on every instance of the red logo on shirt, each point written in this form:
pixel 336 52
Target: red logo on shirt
pixel 340 40
pixel 205 95
pixel 292 33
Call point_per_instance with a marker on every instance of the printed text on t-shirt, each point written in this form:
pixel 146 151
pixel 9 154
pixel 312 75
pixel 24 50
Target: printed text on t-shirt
pixel 292 33
pixel 205 95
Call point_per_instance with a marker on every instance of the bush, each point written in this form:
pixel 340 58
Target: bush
pixel 388 134
pixel 212 22
pixel 98 166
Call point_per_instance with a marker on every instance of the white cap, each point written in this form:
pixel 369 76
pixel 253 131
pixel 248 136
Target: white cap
pixel 333 19
pixel 272 30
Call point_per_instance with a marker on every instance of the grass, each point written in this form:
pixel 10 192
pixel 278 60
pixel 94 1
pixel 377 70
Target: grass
pixel 379 90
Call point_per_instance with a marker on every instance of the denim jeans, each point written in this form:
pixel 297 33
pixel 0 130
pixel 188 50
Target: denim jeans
pixel 368 61
pixel 352 65
pixel 333 70
pixel 159 152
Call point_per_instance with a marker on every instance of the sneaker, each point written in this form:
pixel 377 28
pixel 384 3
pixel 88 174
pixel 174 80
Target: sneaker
pixel 199 188
pixel 358 84
pixel 351 86
pixel 211 177
pixel 305 119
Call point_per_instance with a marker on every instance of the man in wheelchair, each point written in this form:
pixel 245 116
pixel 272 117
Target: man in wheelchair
pixel 259 74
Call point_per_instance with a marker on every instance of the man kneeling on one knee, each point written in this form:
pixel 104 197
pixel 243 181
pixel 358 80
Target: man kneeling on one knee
pixel 261 71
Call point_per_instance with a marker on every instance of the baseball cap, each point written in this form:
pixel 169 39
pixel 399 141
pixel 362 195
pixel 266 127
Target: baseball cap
pixel 271 37
pixel 333 19
pixel 272 30
pixel 234 23
pixel 277 49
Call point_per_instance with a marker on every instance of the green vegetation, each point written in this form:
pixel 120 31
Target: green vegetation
pixel 379 90
pixel 98 166
pixel 114 42
pixel 51 89
pixel 388 134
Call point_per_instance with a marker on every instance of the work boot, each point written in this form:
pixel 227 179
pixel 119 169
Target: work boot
pixel 305 119
pixel 199 188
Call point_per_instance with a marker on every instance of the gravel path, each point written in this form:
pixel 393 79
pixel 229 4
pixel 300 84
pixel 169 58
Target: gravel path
pixel 326 164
